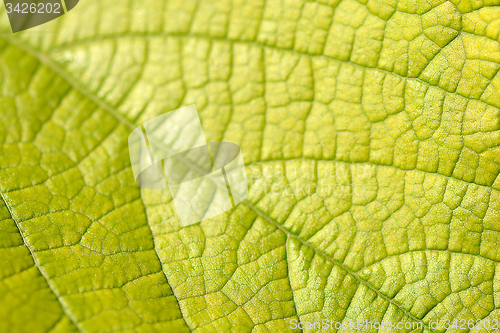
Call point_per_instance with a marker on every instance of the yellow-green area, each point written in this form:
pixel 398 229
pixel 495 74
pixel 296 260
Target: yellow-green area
pixel 371 134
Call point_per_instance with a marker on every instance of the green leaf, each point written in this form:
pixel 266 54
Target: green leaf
pixel 371 134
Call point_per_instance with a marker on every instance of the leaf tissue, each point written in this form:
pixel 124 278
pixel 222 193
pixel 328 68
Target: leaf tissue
pixel 370 131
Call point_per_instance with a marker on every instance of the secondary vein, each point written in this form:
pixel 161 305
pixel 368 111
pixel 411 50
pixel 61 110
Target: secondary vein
pixel 38 266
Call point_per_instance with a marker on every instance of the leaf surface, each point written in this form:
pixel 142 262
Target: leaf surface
pixel 371 133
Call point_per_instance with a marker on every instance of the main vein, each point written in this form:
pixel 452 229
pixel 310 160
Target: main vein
pixel 326 256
